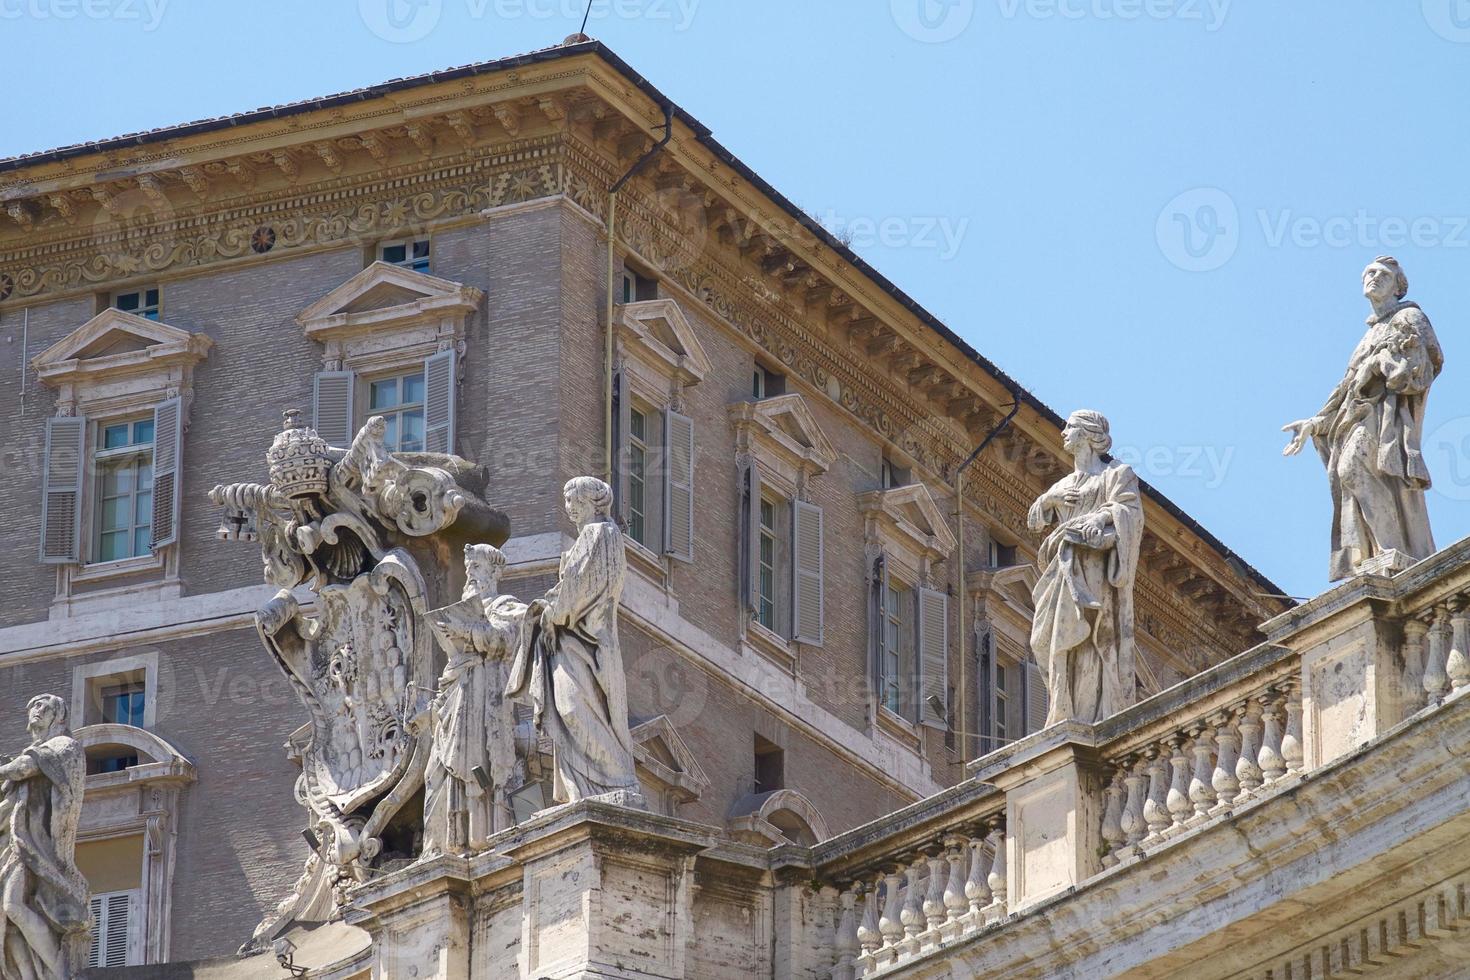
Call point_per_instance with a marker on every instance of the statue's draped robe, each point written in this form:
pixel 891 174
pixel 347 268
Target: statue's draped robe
pixel 1369 436
pixel 38 835
pixel 474 726
pixel 568 666
pixel 1082 633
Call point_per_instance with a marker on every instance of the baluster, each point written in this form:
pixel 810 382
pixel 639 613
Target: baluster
pixel 1133 823
pixel 1415 631
pixel 890 923
pixel 1223 781
pixel 997 877
pixel 1155 810
pixel 1247 772
pixel 934 912
pixel 1201 792
pixel 868 936
pixel 846 941
pixel 976 888
pixel 1273 767
pixel 1112 825
pixel 912 915
pixel 1291 742
pixel 955 903
pixel 1178 798
pixel 1436 680
pixel 1457 664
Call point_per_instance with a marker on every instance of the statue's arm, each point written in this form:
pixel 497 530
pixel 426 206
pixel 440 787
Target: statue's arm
pixel 22 767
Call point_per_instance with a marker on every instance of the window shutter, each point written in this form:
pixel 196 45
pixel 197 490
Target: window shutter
pixel 678 460
pixel 111 916
pixel 877 627
pixel 985 690
pixel 806 550
pixel 332 407
pixel 621 412
pixel 1037 702
pixel 753 537
pixel 61 490
pixel 439 372
pixel 168 439
pixel 933 657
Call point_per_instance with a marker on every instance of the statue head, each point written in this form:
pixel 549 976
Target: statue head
pixel 587 499
pixel 1087 428
pixel 1384 279
pixel 483 566
pixel 45 715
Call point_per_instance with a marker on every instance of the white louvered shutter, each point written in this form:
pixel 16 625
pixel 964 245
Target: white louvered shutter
pixel 61 490
pixel 933 657
pixel 331 404
pixel 111 915
pixel 439 372
pixel 752 536
pixel 1037 702
pixel 168 444
pixel 806 551
pixel 678 486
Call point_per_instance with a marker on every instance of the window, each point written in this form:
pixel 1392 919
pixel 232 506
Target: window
pixel 897 649
pixel 1001 555
pixel 636 287
pixel 122 704
pixel 638 452
pixel 411 254
pixel 766 611
pixel 139 302
pixel 110 913
pixel 400 400
pixel 123 511
pixel 766 383
pixel 1013 697
pixel 770 766
pixel 894 475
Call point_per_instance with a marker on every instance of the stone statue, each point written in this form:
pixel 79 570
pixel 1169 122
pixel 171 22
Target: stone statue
pixel 568 666
pixel 1082 633
pixel 364 531
pixel 1369 432
pixel 473 723
pixel 43 896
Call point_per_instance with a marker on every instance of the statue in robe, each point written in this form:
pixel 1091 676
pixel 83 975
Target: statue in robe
pixel 1082 633
pixel 472 766
pixel 568 666
pixel 44 898
pixel 1368 434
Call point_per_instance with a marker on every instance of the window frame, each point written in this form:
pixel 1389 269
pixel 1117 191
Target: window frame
pixel 93 499
pixel 899 617
pixel 410 261
pixel 393 414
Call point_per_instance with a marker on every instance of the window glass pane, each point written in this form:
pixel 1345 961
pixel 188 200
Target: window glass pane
pixel 114 545
pixel 142 541
pixel 114 436
pixel 413 389
pixel 114 513
pixel 145 475
pixel 151 297
pixel 128 302
pixel 390 432
pixel 421 249
pixel 143 433
pixel 412 438
pixel 383 394
pixel 768 515
pixel 143 508
pixel 638 424
pixel 394 253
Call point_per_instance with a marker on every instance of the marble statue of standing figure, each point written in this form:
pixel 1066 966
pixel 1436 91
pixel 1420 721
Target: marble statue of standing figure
pixel 473 722
pixel 44 898
pixel 1082 633
pixel 1368 434
pixel 568 665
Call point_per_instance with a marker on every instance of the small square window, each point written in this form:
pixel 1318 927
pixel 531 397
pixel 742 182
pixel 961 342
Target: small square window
pixel 1001 555
pixel 766 383
pixel 770 766
pixel 894 475
pixel 636 287
pixel 123 704
pixel 140 302
pixel 412 254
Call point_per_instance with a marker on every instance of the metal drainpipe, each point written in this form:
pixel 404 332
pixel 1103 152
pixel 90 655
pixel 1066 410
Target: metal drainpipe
pixel 612 228
pixel 964 591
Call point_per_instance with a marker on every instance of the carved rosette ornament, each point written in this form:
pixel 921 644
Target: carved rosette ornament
pixel 359 529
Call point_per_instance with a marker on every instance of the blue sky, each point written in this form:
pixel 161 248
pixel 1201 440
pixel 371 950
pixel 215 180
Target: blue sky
pixel 1156 208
